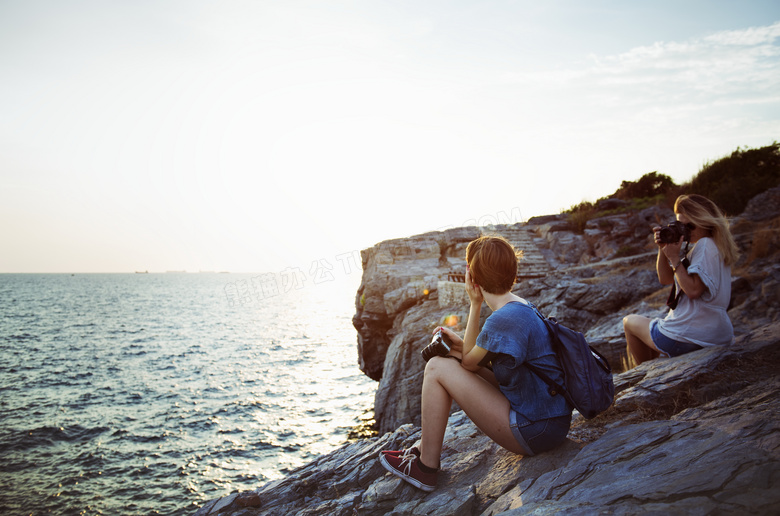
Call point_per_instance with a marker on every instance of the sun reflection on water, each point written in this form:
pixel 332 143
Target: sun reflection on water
pixel 172 396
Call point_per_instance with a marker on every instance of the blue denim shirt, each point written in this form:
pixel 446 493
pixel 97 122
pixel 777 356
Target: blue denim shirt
pixel 517 335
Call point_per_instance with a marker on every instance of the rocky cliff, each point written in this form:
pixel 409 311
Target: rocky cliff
pixel 589 281
pixel 694 434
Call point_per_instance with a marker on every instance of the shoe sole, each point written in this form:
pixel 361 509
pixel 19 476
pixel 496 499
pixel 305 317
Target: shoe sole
pixel 395 453
pixel 416 483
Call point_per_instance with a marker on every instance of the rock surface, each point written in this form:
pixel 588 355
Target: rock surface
pixel 697 434
pixel 592 282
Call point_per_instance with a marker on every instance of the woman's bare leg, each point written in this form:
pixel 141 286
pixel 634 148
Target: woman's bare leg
pixel 639 343
pixel 445 380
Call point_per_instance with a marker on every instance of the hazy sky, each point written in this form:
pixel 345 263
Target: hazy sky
pixel 261 135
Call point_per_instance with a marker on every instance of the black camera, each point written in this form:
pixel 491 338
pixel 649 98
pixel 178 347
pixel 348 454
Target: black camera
pixel 439 347
pixel 671 234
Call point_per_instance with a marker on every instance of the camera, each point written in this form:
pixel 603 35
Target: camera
pixel 439 347
pixel 671 234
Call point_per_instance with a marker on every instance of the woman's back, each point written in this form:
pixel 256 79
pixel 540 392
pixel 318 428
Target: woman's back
pixel 516 335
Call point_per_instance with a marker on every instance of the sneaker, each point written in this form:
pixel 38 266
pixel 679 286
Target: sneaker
pixel 403 453
pixel 406 466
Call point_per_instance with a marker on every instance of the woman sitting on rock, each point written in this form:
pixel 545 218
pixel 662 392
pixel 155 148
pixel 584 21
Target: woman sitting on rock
pixel 702 287
pixel 510 404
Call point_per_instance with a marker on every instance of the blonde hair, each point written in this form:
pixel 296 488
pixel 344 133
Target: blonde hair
pixel 705 214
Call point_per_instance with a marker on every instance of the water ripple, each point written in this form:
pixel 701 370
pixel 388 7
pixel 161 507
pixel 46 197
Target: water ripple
pixel 132 394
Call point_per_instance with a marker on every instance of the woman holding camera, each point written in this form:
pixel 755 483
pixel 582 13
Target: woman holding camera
pixel 510 404
pixel 702 286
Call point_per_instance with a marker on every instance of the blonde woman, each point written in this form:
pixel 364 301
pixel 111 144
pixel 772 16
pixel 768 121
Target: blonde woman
pixel 701 274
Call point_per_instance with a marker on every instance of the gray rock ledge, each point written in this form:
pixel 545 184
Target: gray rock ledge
pixel 698 434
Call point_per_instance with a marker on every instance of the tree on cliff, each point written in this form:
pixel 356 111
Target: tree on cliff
pixel 649 185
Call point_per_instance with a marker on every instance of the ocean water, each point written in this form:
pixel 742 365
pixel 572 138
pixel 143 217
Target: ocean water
pixel 153 393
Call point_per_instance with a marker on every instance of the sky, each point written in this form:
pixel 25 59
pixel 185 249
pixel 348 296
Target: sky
pixel 259 136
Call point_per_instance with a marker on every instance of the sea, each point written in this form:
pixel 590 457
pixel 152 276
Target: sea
pixel 125 394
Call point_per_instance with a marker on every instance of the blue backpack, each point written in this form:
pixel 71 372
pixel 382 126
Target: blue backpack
pixel 587 375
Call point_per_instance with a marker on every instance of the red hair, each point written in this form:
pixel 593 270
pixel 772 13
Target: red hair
pixel 492 261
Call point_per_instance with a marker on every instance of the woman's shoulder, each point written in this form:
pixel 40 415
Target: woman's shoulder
pixel 512 311
pixel 518 306
pixel 706 245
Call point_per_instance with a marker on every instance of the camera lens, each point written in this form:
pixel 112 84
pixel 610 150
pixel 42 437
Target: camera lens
pixel 438 347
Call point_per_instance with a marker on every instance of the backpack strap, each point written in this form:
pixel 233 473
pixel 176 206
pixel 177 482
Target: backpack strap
pixel 555 387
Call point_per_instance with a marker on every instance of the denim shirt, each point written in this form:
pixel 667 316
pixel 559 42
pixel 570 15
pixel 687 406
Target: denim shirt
pixel 516 335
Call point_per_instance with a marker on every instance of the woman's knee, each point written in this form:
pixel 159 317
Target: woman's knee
pixel 447 371
pixel 438 365
pixel 632 323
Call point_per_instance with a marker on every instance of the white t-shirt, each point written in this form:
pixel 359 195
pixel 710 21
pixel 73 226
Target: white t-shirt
pixel 703 321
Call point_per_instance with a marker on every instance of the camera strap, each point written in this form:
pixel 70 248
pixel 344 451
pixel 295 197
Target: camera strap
pixel 674 296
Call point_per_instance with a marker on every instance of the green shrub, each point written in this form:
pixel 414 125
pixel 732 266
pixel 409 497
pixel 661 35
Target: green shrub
pixel 731 181
pixel 580 214
pixel 649 185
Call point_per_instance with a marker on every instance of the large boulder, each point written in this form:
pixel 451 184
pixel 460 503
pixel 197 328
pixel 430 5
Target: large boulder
pixel 397 275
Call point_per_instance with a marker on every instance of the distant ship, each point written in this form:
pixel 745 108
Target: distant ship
pixel 142 272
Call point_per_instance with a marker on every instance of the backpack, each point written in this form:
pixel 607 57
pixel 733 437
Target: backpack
pixel 587 375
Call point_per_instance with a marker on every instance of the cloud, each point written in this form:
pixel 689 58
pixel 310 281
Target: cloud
pixel 753 36
pixel 742 63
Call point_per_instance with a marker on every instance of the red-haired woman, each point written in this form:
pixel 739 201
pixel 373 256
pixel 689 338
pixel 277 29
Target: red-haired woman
pixel 702 279
pixel 510 404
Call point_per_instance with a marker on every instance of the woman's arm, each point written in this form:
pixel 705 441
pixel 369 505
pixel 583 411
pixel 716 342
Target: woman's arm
pixel 662 267
pixel 691 284
pixel 473 354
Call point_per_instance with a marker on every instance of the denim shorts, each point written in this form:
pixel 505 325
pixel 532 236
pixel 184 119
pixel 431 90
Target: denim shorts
pixel 540 436
pixel 669 347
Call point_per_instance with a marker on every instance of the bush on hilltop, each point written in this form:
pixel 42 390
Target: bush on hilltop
pixel 651 189
pixel 730 182
pixel 649 185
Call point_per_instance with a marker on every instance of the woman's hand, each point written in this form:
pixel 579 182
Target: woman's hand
pixel 470 358
pixel 456 349
pixel 667 254
pixel 672 251
pixel 657 236
pixel 473 290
